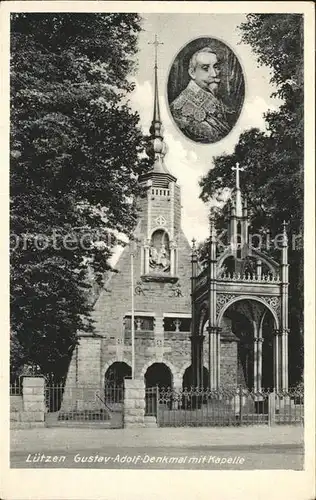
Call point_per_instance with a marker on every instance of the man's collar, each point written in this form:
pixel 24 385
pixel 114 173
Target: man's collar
pixel 194 87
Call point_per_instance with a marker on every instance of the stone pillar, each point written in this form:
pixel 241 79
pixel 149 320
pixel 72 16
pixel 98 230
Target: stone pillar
pixel 259 371
pixel 276 355
pixel 284 341
pixel 255 364
pixel 33 400
pixel 134 403
pixel 214 340
pixel 271 408
pixel 218 357
pixel 177 384
pixel 197 359
pixel 214 357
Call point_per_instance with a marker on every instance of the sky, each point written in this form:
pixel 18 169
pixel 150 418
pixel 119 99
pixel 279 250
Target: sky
pixel 186 160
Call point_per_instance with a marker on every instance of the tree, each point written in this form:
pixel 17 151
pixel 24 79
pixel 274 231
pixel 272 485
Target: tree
pixel 273 159
pixel 76 153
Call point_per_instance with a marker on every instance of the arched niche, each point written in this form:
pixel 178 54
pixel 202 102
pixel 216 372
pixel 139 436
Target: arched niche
pixel 159 252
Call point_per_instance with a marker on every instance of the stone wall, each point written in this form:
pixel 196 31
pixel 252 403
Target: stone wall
pixel 228 363
pixel 28 410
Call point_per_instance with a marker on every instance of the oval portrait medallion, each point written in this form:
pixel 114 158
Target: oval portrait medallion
pixel 206 90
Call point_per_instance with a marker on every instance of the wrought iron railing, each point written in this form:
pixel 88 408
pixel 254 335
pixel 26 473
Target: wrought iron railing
pixel 114 394
pixel 151 401
pixel 89 403
pixel 16 388
pixel 224 407
pixel 289 406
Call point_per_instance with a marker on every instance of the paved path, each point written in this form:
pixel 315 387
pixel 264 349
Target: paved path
pixel 89 438
pixel 180 448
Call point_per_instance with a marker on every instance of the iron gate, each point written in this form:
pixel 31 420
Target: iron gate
pixel 70 406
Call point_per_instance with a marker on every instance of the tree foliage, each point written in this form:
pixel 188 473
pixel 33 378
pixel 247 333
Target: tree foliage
pixel 273 159
pixel 75 160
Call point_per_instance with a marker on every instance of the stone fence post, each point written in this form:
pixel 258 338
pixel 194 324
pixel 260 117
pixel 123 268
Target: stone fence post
pixel 271 408
pixel 134 403
pixel 33 399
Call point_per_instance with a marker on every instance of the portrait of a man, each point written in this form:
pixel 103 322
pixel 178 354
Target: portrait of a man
pixel 208 106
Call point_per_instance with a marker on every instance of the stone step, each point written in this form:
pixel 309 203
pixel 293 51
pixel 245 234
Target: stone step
pixel 150 422
pixel 86 425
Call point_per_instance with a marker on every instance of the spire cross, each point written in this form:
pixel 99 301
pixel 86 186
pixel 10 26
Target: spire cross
pixel 238 169
pixel 156 43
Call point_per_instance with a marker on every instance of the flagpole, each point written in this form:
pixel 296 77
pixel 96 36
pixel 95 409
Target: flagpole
pixel 132 319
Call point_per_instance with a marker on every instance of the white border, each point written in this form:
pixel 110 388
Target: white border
pixel 128 484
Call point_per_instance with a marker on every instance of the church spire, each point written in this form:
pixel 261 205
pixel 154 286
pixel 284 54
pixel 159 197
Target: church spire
pixel 156 125
pixel 157 147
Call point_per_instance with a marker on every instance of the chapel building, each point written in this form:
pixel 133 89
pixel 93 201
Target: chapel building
pixel 158 264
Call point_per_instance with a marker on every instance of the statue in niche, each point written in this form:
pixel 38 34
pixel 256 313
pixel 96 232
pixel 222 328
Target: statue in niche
pixel 159 256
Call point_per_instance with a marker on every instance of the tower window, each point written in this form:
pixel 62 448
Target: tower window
pixel 160 192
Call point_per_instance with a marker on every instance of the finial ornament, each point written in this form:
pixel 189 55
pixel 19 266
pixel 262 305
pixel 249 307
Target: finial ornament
pixel 156 43
pixel 238 198
pixel 238 169
pixel 156 122
pixel 157 147
pixel 193 244
pixel 284 225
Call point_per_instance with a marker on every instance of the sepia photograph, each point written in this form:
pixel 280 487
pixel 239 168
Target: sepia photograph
pixel 206 90
pixel 158 307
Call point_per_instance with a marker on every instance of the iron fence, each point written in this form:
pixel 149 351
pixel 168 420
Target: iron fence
pixel 16 388
pixel 84 404
pixel 197 407
pixel 114 394
pixel 151 401
pixel 289 406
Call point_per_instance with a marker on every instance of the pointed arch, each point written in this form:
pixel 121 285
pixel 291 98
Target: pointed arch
pixel 248 297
